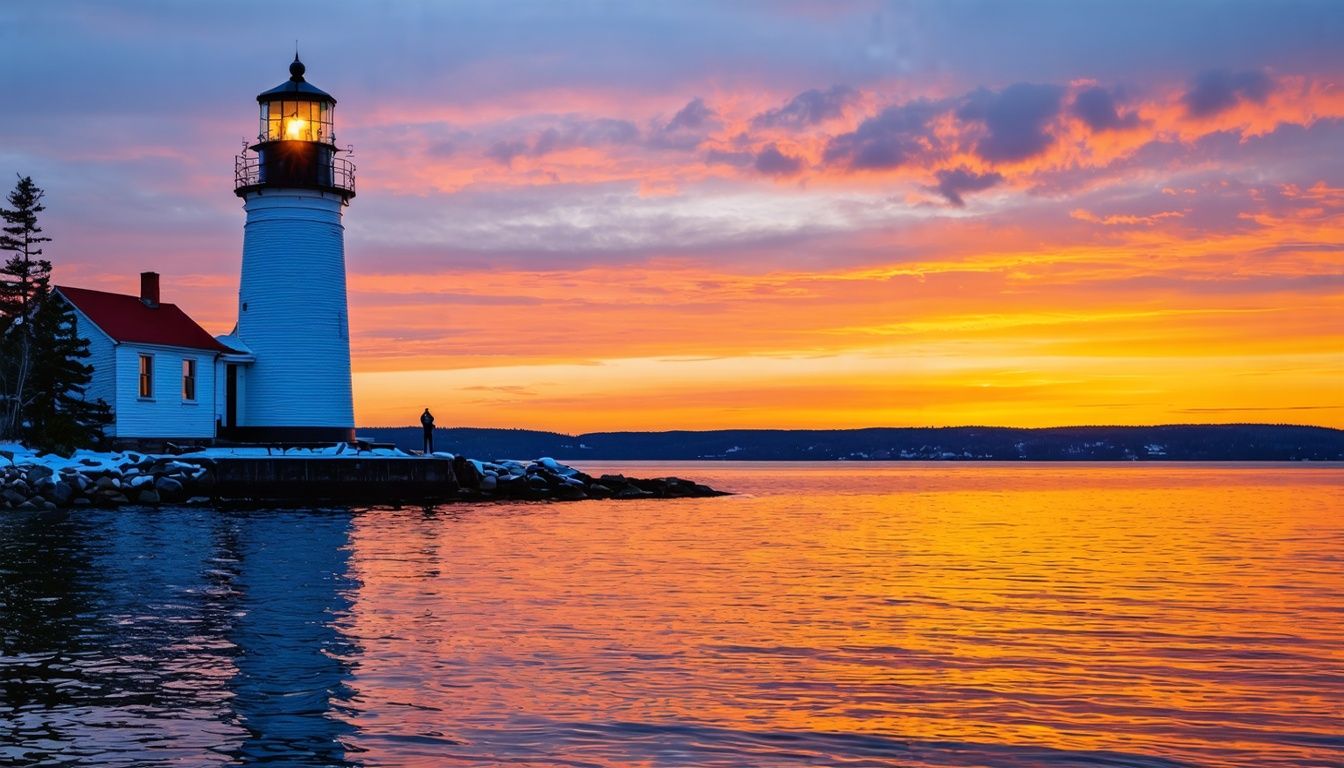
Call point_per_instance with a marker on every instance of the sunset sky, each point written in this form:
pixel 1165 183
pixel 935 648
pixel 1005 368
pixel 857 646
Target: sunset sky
pixel 596 216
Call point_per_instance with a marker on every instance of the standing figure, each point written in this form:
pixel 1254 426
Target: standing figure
pixel 427 421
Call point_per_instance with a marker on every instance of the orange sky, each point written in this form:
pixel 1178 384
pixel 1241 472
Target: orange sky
pixel 632 243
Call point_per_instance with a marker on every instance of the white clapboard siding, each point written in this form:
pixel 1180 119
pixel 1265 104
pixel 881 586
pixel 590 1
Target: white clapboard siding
pixel 292 311
pixel 166 414
pixel 103 357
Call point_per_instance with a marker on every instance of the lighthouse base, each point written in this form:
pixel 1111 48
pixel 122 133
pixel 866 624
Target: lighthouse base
pixel 287 434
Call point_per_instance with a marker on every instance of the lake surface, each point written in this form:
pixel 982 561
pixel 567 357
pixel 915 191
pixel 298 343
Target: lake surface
pixel 830 615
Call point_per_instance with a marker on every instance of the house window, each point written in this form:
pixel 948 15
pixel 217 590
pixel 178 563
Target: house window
pixel 189 379
pixel 146 376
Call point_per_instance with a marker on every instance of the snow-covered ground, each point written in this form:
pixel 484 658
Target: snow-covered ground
pixel 20 455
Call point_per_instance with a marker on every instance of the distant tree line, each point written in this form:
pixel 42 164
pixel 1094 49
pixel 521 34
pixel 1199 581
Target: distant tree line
pixel 42 374
pixel 1172 442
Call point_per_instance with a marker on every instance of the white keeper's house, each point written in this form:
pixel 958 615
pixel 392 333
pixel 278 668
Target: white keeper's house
pixel 283 373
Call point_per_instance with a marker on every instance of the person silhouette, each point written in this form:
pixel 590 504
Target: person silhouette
pixel 427 421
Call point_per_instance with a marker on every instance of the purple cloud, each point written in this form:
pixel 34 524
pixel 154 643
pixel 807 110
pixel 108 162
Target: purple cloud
pixel 1096 107
pixel 1219 90
pixel 893 137
pixel 808 108
pixel 953 183
pixel 1017 120
pixel 773 162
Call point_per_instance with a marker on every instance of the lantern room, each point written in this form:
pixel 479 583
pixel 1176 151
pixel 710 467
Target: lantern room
pixel 296 120
pixel 296 142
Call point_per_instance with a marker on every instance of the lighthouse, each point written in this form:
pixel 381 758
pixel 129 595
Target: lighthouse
pixel 289 377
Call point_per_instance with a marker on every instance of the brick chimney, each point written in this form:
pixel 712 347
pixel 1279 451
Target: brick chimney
pixel 149 289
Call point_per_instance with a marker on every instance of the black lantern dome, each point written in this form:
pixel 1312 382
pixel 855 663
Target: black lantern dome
pixel 296 143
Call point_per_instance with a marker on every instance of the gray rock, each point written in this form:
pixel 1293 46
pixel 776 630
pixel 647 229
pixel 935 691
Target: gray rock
pixel 570 493
pixel 27 504
pixel 168 487
pixel 13 496
pixel 148 497
pixel 63 493
pixel 107 483
pixel 489 483
pixel 36 472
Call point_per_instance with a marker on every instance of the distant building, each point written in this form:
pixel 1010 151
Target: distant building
pixel 283 374
pixel 151 362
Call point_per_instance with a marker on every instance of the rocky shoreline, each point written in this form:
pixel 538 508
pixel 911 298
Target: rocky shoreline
pixel 547 479
pixel 109 480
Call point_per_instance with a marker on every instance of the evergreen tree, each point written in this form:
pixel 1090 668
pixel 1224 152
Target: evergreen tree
pixel 42 378
pixel 58 415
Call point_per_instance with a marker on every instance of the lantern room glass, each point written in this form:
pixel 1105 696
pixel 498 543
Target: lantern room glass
pixel 290 120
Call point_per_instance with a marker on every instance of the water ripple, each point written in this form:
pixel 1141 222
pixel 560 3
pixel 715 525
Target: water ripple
pixel 875 615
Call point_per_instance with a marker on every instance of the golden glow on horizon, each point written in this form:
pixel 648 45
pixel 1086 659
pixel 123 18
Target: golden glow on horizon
pixel 1200 288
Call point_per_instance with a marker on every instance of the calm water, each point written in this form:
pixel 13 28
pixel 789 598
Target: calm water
pixel 848 615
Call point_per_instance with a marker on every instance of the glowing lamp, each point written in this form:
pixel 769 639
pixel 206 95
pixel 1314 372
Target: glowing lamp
pixel 296 142
pixel 296 128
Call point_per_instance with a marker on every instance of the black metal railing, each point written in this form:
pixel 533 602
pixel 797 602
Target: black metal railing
pixel 324 171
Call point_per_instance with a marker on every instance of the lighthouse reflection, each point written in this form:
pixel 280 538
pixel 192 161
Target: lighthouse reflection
pixel 293 661
pixel 179 637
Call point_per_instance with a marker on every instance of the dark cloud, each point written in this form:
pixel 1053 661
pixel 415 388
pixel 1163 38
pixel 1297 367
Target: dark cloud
pixel 808 108
pixel 690 126
pixel 954 182
pixel 1219 90
pixel 505 151
pixel 1096 107
pixel 694 116
pixel 773 162
pixel 893 137
pixel 1016 120
pixel 567 134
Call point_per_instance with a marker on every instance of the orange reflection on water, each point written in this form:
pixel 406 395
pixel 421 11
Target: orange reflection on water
pixel 925 614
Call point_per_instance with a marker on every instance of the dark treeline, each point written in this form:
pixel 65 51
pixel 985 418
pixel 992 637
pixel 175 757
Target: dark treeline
pixel 1179 442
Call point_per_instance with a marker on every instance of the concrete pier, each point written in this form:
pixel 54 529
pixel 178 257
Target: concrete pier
pixel 370 479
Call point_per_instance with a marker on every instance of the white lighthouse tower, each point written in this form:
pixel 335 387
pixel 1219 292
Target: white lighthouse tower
pixel 290 381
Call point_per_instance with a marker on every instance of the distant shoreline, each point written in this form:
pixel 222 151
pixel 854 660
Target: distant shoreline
pixel 1171 442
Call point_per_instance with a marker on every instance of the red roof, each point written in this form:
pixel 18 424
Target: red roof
pixel 126 318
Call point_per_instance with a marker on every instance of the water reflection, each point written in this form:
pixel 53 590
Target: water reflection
pixel 864 616
pixel 173 637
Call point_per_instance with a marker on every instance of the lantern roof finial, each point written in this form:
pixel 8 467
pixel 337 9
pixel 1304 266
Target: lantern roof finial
pixel 296 88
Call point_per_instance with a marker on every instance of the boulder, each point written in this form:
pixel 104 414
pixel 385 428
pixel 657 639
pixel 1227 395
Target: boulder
pixel 147 497
pixel 106 483
pixel 37 472
pixel 62 493
pixel 489 483
pixel 570 493
pixel 168 487
pixel 599 491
